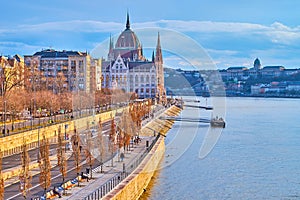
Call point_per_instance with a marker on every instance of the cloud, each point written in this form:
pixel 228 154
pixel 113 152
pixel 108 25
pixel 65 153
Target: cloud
pixel 228 43
pixel 17 47
pixel 276 32
pixel 222 52
pixel 209 26
pixel 74 25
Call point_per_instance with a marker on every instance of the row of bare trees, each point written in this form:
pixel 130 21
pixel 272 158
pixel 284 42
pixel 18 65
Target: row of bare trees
pixel 129 126
pixel 121 134
pixel 38 101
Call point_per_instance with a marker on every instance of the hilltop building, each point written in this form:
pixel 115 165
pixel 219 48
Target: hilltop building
pixel 257 71
pixel 257 65
pixel 127 69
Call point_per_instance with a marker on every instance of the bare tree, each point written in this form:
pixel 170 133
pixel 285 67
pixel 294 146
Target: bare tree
pixel 112 139
pixel 44 164
pixel 61 156
pixel 100 145
pixel 11 75
pixel 25 176
pixel 136 115
pixel 128 129
pixel 76 151
pixel 1 178
pixel 65 101
pixel 89 157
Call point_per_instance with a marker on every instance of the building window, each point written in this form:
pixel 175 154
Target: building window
pixel 131 78
pixel 142 79
pixel 107 81
pixel 153 79
pixel 73 63
pixel 136 80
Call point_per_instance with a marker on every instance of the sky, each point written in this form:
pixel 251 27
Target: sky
pixel 231 32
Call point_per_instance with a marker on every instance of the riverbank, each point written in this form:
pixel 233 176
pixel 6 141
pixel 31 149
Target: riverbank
pixel 240 95
pixel 129 178
pixel 136 184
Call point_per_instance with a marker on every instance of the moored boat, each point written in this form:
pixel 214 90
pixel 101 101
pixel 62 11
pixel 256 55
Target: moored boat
pixel 217 122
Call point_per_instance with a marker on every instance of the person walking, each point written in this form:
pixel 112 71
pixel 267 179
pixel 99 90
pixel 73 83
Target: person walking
pixel 122 156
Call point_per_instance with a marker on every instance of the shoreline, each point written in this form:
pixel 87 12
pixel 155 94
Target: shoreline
pixel 243 96
pixel 135 185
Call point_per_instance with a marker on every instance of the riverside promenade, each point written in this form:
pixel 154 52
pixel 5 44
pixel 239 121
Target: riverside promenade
pixel 104 185
pixel 113 171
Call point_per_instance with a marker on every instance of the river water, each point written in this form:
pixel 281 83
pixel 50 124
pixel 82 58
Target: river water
pixel 257 155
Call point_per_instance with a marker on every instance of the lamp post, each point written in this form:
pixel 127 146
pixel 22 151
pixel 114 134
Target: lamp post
pixel 66 126
pixel 31 110
pixel 4 103
pixel 39 144
pixel 4 117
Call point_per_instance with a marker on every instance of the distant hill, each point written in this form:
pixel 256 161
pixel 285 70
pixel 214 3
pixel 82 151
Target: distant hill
pixel 178 79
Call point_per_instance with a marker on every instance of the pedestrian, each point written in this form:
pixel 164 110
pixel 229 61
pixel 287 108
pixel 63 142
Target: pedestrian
pixel 122 156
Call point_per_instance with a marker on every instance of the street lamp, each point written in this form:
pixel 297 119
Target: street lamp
pixel 4 117
pixel 32 111
pixel 66 126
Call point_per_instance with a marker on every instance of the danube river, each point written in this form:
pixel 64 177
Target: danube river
pixel 257 155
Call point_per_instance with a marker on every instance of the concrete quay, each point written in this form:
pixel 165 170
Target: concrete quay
pixel 112 175
pixel 129 178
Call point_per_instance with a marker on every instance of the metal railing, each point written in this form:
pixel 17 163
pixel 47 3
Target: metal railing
pixel 110 184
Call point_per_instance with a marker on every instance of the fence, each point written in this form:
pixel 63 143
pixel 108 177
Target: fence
pixel 106 187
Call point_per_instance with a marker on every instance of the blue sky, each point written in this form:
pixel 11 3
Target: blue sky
pixel 233 32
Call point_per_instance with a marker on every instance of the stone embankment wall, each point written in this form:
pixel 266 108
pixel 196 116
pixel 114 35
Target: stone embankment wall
pixel 10 145
pixel 135 184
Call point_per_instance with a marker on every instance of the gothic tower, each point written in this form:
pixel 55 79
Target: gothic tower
pixel 159 63
pixel 160 69
pixel 111 48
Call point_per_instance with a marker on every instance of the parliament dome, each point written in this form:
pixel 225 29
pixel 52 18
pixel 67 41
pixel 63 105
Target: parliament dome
pixel 127 39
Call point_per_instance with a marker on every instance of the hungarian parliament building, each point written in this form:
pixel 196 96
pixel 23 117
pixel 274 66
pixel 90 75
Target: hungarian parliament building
pixel 127 69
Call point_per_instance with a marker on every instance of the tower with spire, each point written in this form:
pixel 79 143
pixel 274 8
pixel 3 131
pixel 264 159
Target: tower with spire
pixel 159 65
pixel 111 47
pixel 127 21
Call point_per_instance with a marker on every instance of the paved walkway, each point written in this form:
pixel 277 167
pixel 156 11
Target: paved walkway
pixel 109 171
pixel 114 173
